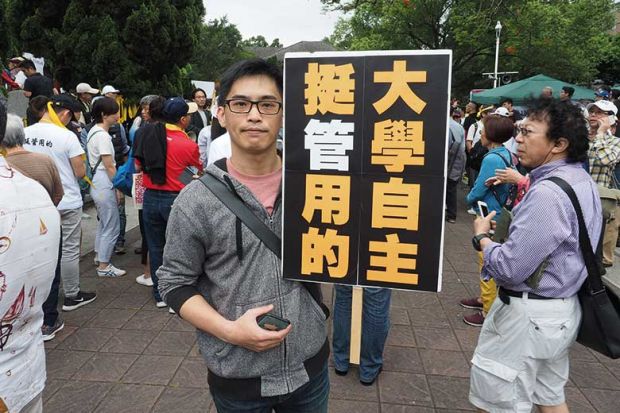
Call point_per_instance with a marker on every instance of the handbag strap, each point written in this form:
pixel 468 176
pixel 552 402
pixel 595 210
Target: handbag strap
pixel 592 264
pixel 237 207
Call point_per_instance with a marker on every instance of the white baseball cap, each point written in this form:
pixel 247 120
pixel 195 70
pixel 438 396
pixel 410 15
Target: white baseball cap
pixel 604 105
pixel 86 88
pixel 502 111
pixel 109 89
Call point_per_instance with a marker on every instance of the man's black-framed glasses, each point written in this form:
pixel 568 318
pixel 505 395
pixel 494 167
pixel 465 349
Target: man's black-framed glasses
pixel 265 107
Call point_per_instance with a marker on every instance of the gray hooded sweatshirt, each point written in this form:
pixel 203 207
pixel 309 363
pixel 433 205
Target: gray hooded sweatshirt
pixel 210 252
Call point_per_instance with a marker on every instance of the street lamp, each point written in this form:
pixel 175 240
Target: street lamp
pixel 498 31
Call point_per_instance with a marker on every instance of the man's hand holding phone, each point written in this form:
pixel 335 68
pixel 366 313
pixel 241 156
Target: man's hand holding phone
pixel 245 331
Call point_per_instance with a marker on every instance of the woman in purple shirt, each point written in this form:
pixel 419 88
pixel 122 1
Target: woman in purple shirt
pixel 522 355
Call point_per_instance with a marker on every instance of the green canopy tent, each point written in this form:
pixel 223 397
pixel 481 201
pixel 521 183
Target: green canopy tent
pixel 525 89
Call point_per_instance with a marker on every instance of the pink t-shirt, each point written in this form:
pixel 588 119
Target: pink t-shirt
pixel 264 187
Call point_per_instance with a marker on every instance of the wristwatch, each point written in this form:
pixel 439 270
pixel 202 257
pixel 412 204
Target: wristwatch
pixel 477 238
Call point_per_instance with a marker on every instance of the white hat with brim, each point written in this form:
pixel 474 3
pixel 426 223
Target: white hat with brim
pixel 604 105
pixel 109 89
pixel 86 88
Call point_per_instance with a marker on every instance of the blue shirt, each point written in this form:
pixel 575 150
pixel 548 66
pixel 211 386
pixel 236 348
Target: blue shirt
pixel 495 159
pixel 545 227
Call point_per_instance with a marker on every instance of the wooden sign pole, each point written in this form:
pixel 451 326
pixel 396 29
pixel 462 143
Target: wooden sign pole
pixel 356 325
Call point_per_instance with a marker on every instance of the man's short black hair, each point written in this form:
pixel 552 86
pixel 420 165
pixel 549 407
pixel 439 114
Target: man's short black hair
pixel 563 120
pixel 103 106
pixel 504 100
pixel 2 120
pixel 27 64
pixel 156 109
pixel 568 90
pixel 250 67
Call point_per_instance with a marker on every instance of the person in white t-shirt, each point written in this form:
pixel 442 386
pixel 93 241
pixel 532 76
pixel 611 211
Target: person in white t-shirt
pixel 51 137
pixel 105 113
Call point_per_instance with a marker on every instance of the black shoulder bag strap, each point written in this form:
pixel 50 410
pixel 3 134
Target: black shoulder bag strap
pixel 592 264
pixel 258 227
pixel 600 322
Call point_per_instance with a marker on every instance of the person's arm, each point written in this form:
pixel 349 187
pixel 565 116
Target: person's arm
pixel 606 150
pixel 57 191
pixel 108 163
pixel 542 224
pixel 182 267
pixel 479 190
pixel 78 166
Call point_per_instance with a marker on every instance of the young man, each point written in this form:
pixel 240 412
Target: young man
pixel 51 137
pixel 522 353
pixel 220 277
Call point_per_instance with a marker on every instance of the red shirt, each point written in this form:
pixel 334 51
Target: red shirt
pixel 181 152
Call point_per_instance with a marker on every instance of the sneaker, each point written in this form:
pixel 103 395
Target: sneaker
pixel 82 298
pixel 451 220
pixel 171 311
pixel 49 332
pixel 85 215
pixel 119 249
pixel 142 280
pixel 471 211
pixel 476 319
pixel 472 303
pixel 372 381
pixel 111 271
pixel 138 251
pixel 160 304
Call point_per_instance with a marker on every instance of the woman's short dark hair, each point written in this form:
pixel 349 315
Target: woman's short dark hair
pixel 250 67
pixel 564 120
pixel 103 106
pixel 498 129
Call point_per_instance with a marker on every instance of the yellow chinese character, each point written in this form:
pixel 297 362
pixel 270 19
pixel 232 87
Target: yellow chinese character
pixel 395 205
pixel 315 247
pixel 399 80
pixel 392 261
pixel 329 88
pixel 330 195
pixel 397 143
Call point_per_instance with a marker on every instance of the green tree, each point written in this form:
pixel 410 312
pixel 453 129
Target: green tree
pixel 140 47
pixel 218 47
pixel 260 41
pixel 561 38
pixel 6 34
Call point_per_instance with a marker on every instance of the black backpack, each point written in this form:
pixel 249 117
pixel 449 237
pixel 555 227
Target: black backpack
pixel 476 155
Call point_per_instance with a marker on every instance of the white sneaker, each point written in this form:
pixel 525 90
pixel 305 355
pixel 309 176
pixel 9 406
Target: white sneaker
pixel 160 304
pixel 142 280
pixel 85 216
pixel 171 311
pixel 111 271
pixel 471 211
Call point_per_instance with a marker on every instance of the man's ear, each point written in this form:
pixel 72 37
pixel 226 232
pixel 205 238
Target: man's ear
pixel 221 117
pixel 561 145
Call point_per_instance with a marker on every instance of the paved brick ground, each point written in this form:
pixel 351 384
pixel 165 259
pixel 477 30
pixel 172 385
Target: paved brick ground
pixel 121 354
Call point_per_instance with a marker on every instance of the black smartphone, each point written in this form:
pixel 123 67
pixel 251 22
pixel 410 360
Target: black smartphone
pixel 272 322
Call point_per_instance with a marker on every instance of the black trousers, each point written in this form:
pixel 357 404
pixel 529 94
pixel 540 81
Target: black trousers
pixel 451 199
pixel 50 306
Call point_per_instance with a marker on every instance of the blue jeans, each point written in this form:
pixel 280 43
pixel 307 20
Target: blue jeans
pixel 156 209
pixel 375 328
pixel 312 397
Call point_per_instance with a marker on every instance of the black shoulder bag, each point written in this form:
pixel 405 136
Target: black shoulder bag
pixel 258 227
pixel 600 323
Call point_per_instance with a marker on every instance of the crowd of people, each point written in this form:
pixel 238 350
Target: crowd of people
pixel 203 264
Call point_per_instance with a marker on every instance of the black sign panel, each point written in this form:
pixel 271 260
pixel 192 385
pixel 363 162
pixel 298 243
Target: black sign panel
pixel 365 160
